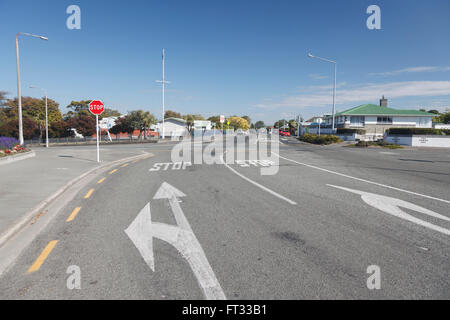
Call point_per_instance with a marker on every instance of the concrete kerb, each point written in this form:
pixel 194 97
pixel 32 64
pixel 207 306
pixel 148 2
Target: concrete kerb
pixel 29 216
pixel 17 157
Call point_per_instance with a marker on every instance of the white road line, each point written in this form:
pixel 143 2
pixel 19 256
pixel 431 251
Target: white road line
pixel 363 180
pixel 259 185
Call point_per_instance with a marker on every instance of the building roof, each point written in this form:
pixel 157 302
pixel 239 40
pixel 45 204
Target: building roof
pixel 174 119
pixel 373 109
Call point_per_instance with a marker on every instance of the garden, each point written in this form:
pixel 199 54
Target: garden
pixel 10 146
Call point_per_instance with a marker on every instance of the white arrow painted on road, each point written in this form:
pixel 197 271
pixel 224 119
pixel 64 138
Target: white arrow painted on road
pixel 142 231
pixel 392 206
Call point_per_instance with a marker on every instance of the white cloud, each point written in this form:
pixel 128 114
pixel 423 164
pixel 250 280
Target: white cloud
pixel 410 70
pixel 317 76
pixel 367 93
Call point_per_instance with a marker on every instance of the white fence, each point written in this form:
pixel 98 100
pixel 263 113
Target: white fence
pixel 419 140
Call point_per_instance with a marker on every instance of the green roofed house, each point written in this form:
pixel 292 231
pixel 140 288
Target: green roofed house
pixel 376 119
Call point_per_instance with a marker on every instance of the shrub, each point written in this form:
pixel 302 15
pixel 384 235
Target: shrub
pixel 8 142
pixel 322 139
pixel 380 143
pixel 411 131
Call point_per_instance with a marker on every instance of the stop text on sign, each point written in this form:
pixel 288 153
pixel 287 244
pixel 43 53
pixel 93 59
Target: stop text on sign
pixel 96 107
pixel 173 165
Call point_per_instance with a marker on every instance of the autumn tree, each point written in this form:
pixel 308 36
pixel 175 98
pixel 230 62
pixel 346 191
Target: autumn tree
pixel 84 124
pixel 122 124
pixel 34 109
pixel 238 123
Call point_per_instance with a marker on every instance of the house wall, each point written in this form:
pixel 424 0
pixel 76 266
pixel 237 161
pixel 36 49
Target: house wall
pixel 172 128
pixel 372 127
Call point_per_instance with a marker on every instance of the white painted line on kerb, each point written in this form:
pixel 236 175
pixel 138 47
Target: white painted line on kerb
pixel 259 185
pixel 363 180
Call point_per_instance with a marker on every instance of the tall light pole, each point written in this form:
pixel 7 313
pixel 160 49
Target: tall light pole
pixel 46 115
pixel 19 97
pixel 163 81
pixel 334 87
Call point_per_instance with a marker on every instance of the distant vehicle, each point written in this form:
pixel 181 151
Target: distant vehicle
pixel 285 133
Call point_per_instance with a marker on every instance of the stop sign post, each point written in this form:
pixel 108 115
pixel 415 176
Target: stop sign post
pixel 97 107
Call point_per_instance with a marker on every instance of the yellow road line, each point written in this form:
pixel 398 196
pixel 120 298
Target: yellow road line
pixel 111 172
pixel 124 165
pixel 101 180
pixel 40 260
pixel 73 214
pixel 89 193
pixel 135 161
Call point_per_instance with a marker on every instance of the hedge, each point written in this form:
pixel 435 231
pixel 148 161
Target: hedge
pixel 410 131
pixel 350 130
pixel 322 139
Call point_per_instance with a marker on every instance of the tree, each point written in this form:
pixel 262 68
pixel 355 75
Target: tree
pixel 434 111
pixel 109 113
pixel 280 123
pixel 59 129
pixel 259 124
pixel 141 120
pixel 84 124
pixel 238 123
pixel 78 107
pixel 171 114
pixel 248 119
pixel 190 118
pixel 122 125
pixel 11 129
pixel 33 108
pixel 216 120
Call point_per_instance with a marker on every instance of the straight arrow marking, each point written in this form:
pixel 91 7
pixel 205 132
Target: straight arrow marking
pixel 142 231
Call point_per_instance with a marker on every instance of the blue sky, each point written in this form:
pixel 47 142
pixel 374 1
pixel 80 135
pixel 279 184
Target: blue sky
pixel 230 57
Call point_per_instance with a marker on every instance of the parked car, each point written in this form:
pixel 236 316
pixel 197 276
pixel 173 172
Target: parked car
pixel 285 133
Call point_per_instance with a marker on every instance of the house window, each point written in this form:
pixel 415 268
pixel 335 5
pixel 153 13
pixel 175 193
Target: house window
pixel 384 120
pixel 357 121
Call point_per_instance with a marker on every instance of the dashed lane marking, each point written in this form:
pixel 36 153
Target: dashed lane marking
pixel 40 260
pixel 89 193
pixel 73 214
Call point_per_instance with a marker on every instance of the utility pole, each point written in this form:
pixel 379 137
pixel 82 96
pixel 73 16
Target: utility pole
pixel 163 81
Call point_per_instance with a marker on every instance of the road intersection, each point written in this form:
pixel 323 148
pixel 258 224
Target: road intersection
pixel 225 231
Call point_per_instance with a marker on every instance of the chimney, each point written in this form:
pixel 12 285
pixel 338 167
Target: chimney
pixel 383 102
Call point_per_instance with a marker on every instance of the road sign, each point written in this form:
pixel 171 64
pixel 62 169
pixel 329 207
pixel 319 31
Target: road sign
pixel 228 122
pixel 222 119
pixel 96 107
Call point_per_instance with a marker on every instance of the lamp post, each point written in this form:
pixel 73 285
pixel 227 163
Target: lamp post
pixel 46 115
pixel 334 87
pixel 19 97
pixel 163 82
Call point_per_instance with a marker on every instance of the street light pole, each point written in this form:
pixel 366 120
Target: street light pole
pixel 19 96
pixel 163 81
pixel 334 86
pixel 46 115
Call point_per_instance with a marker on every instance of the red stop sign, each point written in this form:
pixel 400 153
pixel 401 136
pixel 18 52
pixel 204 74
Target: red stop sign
pixel 96 107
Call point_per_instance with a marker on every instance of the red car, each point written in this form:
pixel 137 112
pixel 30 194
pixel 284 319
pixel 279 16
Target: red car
pixel 285 133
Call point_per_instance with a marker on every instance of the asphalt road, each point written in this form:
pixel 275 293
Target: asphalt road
pixel 293 235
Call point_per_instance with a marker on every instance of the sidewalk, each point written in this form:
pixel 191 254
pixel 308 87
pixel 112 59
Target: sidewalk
pixel 26 183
